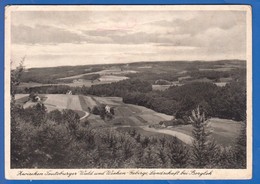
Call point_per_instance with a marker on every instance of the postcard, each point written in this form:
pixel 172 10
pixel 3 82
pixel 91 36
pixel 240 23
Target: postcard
pixel 159 92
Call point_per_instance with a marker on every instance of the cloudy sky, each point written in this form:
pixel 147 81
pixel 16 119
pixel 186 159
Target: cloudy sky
pixel 54 38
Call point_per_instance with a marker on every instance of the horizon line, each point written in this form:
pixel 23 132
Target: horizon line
pixel 125 63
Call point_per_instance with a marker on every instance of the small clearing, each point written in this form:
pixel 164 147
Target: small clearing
pixel 160 87
pixel 112 78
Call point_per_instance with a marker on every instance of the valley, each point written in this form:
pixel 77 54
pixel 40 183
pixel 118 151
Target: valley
pixel 128 116
pixel 144 115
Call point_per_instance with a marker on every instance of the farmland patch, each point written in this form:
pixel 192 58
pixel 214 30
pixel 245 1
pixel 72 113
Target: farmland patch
pixel 108 100
pixel 151 118
pixel 223 131
pixel 164 116
pixel 107 72
pixel 124 121
pixel 19 96
pixel 86 102
pixel 220 84
pixel 112 78
pixel 160 87
pixel 181 136
pixel 73 102
pixel 21 99
pixel 96 121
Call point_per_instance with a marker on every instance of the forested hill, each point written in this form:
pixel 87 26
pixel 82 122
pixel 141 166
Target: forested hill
pixel 223 102
pixel 189 84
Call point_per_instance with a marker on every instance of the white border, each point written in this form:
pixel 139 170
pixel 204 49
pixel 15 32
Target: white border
pixel 217 173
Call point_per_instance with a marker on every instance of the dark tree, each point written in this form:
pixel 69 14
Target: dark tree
pixel 202 147
pixel 178 155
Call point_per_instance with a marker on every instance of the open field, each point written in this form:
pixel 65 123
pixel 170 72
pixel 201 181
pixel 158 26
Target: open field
pixel 86 83
pixel 21 96
pixel 96 121
pixel 112 78
pixel 223 131
pixel 134 115
pixel 223 69
pixel 114 101
pixel 160 87
pixel 187 139
pixel 55 101
pixel 221 84
pixel 86 102
pixel 59 101
pixel 21 99
pixel 107 72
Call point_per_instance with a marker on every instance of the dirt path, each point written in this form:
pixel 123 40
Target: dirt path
pixel 183 137
pixel 85 116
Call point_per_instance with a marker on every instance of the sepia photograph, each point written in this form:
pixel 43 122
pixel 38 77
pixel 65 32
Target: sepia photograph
pixel 128 92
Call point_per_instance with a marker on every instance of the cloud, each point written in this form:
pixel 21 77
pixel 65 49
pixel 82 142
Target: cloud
pixel 67 18
pixel 202 21
pixel 43 34
pixel 66 38
pixel 123 37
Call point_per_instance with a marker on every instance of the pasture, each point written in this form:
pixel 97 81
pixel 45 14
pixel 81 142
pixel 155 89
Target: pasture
pixel 134 115
pixel 114 101
pixel 223 131
pixel 21 99
pixel 112 78
pixel 86 102
pixel 160 87
pixel 59 101
pixel 96 121
pixel 108 72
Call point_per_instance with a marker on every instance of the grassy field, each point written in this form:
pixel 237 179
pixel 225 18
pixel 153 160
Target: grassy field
pixel 96 121
pixel 114 101
pixel 220 84
pixel 107 72
pixel 21 99
pixel 106 76
pixel 53 101
pixel 86 83
pixel 112 78
pixel 223 131
pixel 134 115
pixel 58 101
pixel 160 87
pixel 223 69
pixel 86 102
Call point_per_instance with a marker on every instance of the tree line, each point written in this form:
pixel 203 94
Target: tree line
pixel 224 102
